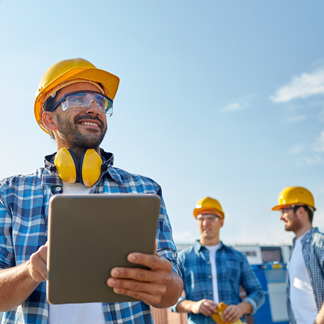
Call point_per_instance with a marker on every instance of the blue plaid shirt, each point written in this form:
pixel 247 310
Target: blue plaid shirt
pixel 233 271
pixel 313 253
pixel 23 229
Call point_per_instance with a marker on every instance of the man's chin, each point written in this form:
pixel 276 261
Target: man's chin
pixel 288 229
pixel 208 236
pixel 90 140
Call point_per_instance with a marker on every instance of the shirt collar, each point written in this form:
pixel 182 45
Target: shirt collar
pixel 198 246
pixel 308 235
pixel 106 167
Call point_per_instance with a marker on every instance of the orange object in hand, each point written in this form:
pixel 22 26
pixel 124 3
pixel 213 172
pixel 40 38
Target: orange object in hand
pixel 218 318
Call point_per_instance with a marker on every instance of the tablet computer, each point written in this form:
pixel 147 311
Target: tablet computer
pixel 88 235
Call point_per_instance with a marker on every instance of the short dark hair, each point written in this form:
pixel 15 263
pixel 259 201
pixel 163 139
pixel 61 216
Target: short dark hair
pixel 48 106
pixel 308 210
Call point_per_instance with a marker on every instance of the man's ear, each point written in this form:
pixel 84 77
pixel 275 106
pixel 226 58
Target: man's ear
pixel 49 120
pixel 221 222
pixel 304 213
pixel 301 214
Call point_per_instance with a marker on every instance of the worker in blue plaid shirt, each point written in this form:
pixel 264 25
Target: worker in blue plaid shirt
pixel 305 284
pixel 213 272
pixel 72 101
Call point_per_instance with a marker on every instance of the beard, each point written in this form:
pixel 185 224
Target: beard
pixel 294 224
pixel 69 132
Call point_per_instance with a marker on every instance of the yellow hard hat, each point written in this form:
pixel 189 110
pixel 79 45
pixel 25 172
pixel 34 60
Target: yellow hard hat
pixel 294 196
pixel 69 70
pixel 208 204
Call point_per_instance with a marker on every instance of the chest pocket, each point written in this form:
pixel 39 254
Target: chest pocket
pixel 229 270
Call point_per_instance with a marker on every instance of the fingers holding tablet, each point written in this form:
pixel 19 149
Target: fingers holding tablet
pixel 38 264
pixel 148 285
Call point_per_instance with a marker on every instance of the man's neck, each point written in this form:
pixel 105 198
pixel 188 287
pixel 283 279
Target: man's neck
pixel 78 151
pixel 209 242
pixel 301 231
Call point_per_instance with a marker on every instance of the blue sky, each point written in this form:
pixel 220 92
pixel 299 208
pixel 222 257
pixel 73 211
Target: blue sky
pixel 216 98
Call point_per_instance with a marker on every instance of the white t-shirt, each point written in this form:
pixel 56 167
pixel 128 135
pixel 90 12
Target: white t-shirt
pixel 212 258
pixel 87 313
pixel 301 293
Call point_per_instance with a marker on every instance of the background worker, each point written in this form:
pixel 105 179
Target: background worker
pixel 71 104
pixel 305 284
pixel 213 272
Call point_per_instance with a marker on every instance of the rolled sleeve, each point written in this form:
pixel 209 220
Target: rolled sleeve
pixel 166 246
pixel 252 287
pixel 174 307
pixel 7 258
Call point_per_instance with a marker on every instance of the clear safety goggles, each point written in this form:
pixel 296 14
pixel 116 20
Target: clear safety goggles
pixel 295 208
pixel 209 218
pixel 82 100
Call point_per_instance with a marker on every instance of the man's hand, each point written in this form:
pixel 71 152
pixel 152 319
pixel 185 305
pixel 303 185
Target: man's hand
pixel 232 313
pixel 37 266
pixel 205 306
pixel 17 283
pixel 320 316
pixel 148 285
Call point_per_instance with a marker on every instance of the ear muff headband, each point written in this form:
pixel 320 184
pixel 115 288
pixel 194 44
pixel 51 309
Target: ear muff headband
pixel 69 170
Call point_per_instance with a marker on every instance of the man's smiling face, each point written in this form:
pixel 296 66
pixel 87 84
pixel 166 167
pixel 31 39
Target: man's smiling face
pixel 80 128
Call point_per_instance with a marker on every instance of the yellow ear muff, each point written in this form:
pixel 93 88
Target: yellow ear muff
pixel 91 167
pixel 65 165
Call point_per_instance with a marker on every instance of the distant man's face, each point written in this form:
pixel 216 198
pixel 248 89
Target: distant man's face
pixel 290 219
pixel 209 225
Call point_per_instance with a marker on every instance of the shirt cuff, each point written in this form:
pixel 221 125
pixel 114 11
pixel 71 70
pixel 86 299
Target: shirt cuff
pixel 252 303
pixel 174 307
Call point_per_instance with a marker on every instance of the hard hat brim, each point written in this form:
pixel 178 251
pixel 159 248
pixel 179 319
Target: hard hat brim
pixel 278 207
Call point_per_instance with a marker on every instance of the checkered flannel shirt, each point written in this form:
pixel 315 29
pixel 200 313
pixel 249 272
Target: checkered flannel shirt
pixel 233 271
pixel 313 253
pixel 23 229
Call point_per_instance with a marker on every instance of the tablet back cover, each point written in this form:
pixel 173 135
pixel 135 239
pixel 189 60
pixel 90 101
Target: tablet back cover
pixel 88 235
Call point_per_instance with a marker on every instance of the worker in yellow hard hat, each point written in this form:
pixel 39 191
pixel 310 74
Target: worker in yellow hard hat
pixel 305 290
pixel 213 272
pixel 72 103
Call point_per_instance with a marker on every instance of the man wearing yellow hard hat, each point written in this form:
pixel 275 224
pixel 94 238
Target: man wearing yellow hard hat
pixel 305 285
pixel 72 102
pixel 212 272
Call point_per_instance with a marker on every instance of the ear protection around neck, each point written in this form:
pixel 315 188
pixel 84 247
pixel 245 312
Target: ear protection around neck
pixel 87 171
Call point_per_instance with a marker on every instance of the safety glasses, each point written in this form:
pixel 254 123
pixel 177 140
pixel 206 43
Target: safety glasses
pixel 292 207
pixel 286 210
pixel 82 100
pixel 210 219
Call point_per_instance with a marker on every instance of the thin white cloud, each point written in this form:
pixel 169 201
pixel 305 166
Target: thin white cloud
pixel 318 146
pixel 296 119
pixel 296 149
pixel 303 86
pixel 314 160
pixel 321 116
pixel 234 106
pixel 239 104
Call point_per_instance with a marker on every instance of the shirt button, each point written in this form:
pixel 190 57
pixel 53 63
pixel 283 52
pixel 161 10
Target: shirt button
pixel 208 262
pixel 210 293
pixel 209 277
